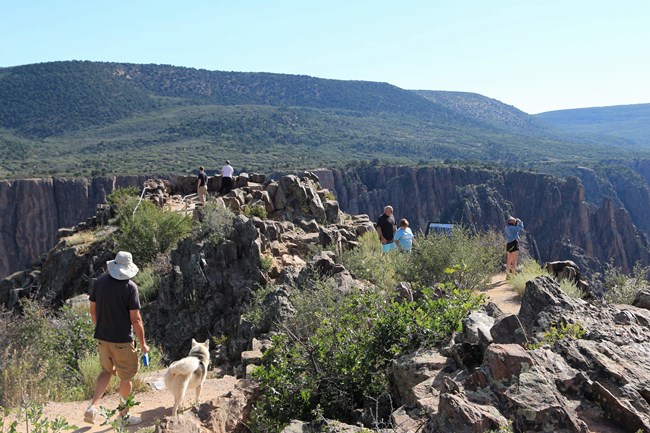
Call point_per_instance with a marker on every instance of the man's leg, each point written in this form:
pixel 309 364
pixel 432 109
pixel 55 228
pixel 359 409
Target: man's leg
pixel 103 380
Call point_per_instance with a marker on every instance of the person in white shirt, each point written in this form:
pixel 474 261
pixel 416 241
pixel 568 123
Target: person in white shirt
pixel 226 178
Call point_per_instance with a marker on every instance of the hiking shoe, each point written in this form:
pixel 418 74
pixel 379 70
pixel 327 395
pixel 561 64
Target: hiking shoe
pixel 129 420
pixel 90 415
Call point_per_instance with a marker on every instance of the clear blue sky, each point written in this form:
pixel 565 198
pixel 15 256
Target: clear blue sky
pixel 536 55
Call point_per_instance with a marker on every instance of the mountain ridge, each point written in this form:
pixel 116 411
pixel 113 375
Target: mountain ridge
pixel 81 119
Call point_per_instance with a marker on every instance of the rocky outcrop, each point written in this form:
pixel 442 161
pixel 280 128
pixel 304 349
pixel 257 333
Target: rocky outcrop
pixel 592 381
pixel 560 223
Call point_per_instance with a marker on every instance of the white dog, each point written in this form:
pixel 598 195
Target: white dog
pixel 189 372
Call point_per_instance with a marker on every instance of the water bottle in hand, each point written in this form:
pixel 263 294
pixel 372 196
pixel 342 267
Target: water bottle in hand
pixel 145 359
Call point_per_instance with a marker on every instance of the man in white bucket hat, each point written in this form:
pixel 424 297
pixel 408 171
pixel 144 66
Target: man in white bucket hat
pixel 115 311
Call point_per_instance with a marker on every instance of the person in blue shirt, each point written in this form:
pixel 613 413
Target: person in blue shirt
pixel 404 237
pixel 512 230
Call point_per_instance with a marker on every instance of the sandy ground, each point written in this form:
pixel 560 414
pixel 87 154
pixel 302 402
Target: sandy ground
pixel 154 405
pixel 501 293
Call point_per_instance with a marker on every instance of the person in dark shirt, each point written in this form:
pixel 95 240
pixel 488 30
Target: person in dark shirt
pixel 202 185
pixel 386 230
pixel 115 311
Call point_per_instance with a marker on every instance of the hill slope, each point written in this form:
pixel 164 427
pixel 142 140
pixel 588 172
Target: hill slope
pixel 631 122
pixel 90 118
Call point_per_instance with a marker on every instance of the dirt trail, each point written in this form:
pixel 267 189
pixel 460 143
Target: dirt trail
pixel 503 294
pixel 154 405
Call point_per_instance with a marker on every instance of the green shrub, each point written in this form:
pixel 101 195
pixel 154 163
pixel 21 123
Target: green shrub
pixel 560 332
pixel 335 352
pixel 474 257
pixel 150 230
pixel 120 196
pixel 41 354
pixel 266 262
pixel 529 271
pixel 148 284
pixel 571 289
pixel 30 415
pixel 621 288
pixel 366 262
pixel 251 210
pixel 215 222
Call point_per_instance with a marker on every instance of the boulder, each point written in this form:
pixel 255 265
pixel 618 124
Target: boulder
pixel 642 299
pixel 508 330
pixel 506 361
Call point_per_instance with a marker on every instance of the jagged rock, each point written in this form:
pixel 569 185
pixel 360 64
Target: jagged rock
pixel 405 291
pixel 324 262
pixel 257 178
pixel 230 412
pixel 307 224
pixel 505 361
pixel 240 181
pixel 184 424
pixel 251 357
pixel 265 199
pixel 642 299
pixel 296 426
pixel 540 294
pixel 459 415
pixel 416 378
pixel 508 330
pixel 332 212
pixel 476 329
pixel 277 308
pixel 404 421
pixel 296 197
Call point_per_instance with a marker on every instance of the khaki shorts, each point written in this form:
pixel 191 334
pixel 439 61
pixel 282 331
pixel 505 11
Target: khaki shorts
pixel 119 359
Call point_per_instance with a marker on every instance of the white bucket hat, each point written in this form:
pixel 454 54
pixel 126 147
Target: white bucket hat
pixel 122 268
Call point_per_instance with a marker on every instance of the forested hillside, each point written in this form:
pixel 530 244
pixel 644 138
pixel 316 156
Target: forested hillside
pixel 629 122
pixel 89 118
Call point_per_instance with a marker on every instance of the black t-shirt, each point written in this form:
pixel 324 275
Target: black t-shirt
pixel 203 178
pixel 387 225
pixel 115 299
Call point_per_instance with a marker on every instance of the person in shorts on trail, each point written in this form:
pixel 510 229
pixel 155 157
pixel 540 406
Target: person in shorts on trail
pixel 115 311
pixel 512 230
pixel 404 237
pixel 386 230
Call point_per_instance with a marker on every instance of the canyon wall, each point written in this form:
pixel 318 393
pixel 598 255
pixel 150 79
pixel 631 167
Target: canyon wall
pixel 32 210
pixel 560 223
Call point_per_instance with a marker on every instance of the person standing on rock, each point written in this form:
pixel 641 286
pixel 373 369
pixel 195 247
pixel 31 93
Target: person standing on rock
pixel 512 230
pixel 115 311
pixel 226 178
pixel 386 230
pixel 202 185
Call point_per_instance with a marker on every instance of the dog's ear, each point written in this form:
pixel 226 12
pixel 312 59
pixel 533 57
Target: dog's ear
pixel 194 343
pixel 206 343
